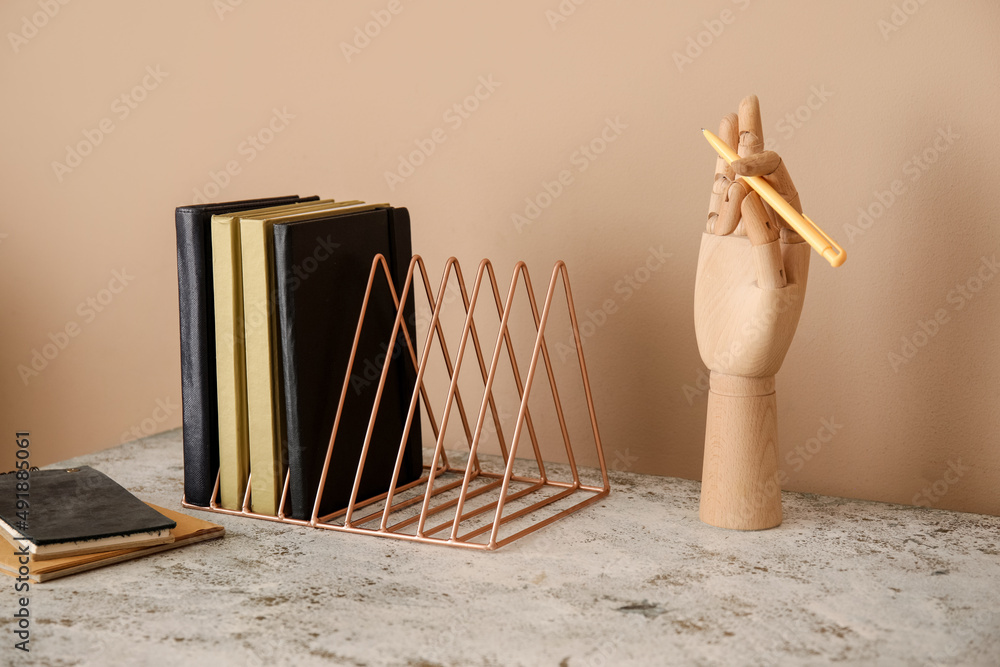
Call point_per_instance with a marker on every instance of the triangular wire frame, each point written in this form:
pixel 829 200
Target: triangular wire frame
pixel 448 532
pixel 420 391
pixel 539 351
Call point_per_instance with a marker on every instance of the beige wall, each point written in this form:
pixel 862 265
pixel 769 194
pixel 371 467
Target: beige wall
pixel 853 94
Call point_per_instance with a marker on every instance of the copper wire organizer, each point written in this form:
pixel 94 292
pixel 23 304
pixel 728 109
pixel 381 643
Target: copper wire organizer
pixel 474 503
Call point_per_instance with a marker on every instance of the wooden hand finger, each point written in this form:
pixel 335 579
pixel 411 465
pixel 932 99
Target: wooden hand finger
pixel 759 164
pixel 781 181
pixel 728 132
pixel 751 139
pixel 764 236
pixel 729 215
pixel 772 169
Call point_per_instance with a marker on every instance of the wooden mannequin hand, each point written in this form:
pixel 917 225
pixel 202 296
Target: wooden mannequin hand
pixel 749 290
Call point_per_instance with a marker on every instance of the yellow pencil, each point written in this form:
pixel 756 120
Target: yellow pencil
pixel 801 223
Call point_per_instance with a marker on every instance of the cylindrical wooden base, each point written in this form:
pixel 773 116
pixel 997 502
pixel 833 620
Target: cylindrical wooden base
pixel 740 487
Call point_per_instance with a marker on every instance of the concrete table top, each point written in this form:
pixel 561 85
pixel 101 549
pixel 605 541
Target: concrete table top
pixel 635 579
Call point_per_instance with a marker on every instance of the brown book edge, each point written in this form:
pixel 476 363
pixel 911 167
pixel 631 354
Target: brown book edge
pixel 189 530
pixel 36 556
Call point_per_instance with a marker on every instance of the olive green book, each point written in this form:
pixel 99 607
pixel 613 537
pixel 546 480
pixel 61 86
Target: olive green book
pixel 230 353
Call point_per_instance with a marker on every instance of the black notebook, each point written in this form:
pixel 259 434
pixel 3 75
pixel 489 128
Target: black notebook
pixel 198 379
pixel 320 293
pixel 76 510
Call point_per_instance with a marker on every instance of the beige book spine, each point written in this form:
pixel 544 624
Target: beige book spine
pixel 230 356
pixel 234 435
pixel 264 397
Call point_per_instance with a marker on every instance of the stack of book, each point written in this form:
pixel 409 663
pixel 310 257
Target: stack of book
pixel 271 291
pixel 64 521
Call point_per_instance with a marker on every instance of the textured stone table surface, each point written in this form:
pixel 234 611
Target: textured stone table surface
pixel 633 580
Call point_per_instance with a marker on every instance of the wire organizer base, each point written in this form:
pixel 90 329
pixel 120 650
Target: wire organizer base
pixel 409 512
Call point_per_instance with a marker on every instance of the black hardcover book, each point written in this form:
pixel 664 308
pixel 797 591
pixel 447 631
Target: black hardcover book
pixel 74 505
pixel 322 269
pixel 197 319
